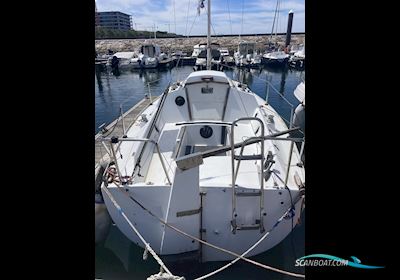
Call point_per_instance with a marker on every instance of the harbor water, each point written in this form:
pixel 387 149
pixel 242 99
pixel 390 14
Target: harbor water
pixel 117 257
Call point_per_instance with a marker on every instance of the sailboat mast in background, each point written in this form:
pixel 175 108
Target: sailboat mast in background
pixel 208 35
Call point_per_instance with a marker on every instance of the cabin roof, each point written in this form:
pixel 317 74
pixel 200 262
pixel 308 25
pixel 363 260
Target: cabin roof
pixel 126 55
pixel 198 75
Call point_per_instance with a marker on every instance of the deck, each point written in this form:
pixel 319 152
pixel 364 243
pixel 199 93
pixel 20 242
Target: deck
pixel 129 117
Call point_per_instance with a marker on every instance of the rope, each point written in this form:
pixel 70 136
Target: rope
pixel 277 18
pixel 273 23
pixel 114 126
pixel 187 18
pixel 292 217
pixel 241 27
pixel 192 24
pixel 155 81
pixel 147 245
pixel 126 99
pixel 268 82
pixel 212 26
pixel 164 276
pixel 229 13
pixel 250 249
pixel 212 245
pixel 174 19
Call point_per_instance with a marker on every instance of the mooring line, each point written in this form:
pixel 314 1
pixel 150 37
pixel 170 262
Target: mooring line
pixel 220 248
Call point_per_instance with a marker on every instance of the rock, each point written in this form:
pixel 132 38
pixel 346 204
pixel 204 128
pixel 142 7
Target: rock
pixel 170 45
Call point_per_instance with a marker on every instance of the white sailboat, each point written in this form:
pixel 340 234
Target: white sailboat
pixel 210 159
pixel 276 57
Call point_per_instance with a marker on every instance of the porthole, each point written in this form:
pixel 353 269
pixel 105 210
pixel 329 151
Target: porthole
pixel 179 101
pixel 206 131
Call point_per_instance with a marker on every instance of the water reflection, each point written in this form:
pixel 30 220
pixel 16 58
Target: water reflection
pixel 113 261
pixel 149 75
pixel 282 84
pixel 118 258
pixel 98 79
pixel 131 86
pixel 243 75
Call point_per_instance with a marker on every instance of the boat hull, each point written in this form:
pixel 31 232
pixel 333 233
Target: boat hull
pixel 275 62
pixel 215 220
pixel 297 63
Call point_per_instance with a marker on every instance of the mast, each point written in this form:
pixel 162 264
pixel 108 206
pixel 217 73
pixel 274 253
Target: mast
pixel 277 18
pixel 273 23
pixel 209 35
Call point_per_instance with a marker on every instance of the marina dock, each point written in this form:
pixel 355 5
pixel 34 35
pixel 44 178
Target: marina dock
pixel 115 128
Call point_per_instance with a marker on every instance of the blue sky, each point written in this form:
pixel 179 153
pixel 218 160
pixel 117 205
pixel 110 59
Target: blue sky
pixel 258 15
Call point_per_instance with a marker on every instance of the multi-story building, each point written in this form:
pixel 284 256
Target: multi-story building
pixel 114 20
pixel 96 15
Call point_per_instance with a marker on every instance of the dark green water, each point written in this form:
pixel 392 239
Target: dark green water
pixel 117 257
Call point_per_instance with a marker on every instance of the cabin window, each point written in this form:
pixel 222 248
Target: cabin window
pixel 201 138
pixel 206 131
pixel 207 90
pixel 179 100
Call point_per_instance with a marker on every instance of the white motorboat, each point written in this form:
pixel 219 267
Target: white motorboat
pixel 226 58
pixel 124 60
pixel 178 54
pixel 201 60
pixel 148 57
pixel 298 59
pixel 197 49
pixel 246 56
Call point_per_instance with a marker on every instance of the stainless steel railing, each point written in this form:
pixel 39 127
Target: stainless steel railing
pixel 115 140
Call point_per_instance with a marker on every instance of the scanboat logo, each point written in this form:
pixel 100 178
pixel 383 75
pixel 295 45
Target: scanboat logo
pixel 328 260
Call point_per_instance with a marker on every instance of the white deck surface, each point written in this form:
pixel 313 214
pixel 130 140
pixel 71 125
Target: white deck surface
pixel 167 144
pixel 215 171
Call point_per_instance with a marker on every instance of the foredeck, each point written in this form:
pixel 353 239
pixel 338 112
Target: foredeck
pixel 115 128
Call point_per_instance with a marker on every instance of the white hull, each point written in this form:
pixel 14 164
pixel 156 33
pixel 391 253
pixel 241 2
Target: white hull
pixel 243 62
pixel 146 66
pixel 121 67
pixel 216 220
pixel 200 196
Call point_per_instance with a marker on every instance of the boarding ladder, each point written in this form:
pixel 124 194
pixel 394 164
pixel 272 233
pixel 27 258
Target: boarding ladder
pixel 258 223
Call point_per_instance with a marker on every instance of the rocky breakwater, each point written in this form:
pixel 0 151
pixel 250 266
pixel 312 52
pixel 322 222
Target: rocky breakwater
pixel 170 45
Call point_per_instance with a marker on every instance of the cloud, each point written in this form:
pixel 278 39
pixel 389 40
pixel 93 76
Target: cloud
pixel 257 15
pixel 285 6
